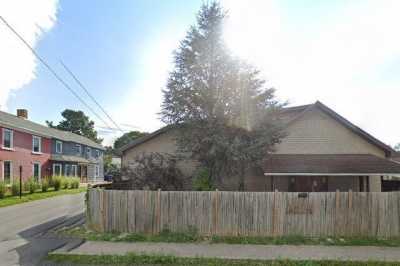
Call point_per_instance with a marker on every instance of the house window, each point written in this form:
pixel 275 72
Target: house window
pixel 8 139
pixel 36 172
pixel 7 172
pixel 96 171
pixel 88 152
pixel 36 144
pixel 67 170
pixel 59 146
pixel 57 169
pixel 74 170
pixel 78 148
pixel 97 153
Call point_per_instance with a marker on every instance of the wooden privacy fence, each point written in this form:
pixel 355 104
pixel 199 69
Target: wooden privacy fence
pixel 246 213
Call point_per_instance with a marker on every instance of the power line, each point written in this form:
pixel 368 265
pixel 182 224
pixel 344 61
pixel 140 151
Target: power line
pixel 90 95
pixel 51 70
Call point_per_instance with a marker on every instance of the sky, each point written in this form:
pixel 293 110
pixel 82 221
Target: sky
pixel 343 53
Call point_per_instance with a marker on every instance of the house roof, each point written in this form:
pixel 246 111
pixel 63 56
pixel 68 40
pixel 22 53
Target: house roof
pixel 145 138
pixel 288 116
pixel 12 121
pixel 344 164
pixel 68 158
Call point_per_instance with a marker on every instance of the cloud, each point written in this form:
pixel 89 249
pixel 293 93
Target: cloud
pixel 31 19
pixel 347 55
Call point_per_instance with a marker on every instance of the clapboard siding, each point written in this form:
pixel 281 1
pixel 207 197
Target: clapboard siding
pixel 246 213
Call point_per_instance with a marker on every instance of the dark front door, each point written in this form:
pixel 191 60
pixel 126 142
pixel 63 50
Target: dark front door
pixel 83 173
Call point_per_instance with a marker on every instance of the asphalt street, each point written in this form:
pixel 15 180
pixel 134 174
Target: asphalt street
pixel 26 230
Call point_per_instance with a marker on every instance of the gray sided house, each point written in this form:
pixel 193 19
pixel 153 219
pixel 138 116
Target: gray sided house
pixel 322 151
pixel 77 158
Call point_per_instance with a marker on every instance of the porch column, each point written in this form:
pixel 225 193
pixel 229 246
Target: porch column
pixel 375 183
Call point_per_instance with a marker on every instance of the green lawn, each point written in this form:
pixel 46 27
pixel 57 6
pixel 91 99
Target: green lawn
pixel 134 259
pixel 192 237
pixel 9 200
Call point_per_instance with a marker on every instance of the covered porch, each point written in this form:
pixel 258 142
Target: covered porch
pixel 329 172
pixel 73 166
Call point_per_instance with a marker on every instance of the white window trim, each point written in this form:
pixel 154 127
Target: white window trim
pixel 54 167
pixel 59 142
pixel 96 171
pixel 74 170
pixel 89 152
pixel 33 144
pixel 65 170
pixel 79 146
pixel 40 171
pixel 11 171
pixel 97 153
pixel 11 141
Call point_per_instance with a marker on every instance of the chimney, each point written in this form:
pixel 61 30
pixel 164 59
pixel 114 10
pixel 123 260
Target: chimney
pixel 22 113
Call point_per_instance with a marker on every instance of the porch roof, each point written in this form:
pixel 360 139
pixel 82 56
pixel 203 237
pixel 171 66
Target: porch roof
pixel 329 164
pixel 68 158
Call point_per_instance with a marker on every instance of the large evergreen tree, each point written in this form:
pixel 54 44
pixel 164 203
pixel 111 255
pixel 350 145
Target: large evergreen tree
pixel 225 113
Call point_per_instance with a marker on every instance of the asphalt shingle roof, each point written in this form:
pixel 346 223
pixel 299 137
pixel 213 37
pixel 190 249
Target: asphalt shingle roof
pixel 12 121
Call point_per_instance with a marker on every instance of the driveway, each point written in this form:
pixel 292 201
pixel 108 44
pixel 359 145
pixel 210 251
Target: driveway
pixel 25 235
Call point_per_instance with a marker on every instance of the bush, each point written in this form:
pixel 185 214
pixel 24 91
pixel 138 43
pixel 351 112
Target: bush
pixel 202 181
pixel 153 171
pixel 45 185
pixel 57 181
pixel 2 189
pixel 32 186
pixel 75 182
pixel 65 182
pixel 15 189
pixel 50 181
pixel 25 185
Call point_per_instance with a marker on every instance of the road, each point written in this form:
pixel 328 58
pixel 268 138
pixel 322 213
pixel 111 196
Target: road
pixel 25 236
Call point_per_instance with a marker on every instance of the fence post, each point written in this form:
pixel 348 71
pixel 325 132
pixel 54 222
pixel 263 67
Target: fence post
pixel 215 212
pixel 274 214
pixel 158 210
pixel 350 199
pixel 337 206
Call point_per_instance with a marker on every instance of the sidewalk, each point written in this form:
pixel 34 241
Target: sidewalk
pixel 261 252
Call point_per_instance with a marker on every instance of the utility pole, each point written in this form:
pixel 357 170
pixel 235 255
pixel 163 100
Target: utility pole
pixel 20 181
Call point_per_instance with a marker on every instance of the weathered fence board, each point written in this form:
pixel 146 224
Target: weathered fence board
pixel 246 213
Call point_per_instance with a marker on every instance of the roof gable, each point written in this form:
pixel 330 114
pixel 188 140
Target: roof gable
pixel 343 121
pixel 290 115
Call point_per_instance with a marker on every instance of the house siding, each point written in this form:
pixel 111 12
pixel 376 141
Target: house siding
pixel 314 132
pixel 163 143
pixel 22 155
pixel 317 133
pixel 69 148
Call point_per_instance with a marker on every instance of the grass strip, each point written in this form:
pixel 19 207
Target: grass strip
pixel 135 259
pixel 193 237
pixel 38 195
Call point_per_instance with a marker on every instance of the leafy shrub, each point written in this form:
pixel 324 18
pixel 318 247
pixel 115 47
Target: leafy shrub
pixel 45 185
pixel 50 181
pixel 25 185
pixel 74 182
pixel 202 181
pixel 15 189
pixel 2 189
pixel 57 181
pixel 153 171
pixel 65 182
pixel 32 186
